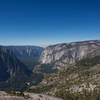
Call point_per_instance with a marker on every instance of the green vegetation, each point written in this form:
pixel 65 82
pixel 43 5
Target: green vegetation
pixel 47 68
pixel 41 89
pixel 84 95
pixel 67 82
pixel 88 62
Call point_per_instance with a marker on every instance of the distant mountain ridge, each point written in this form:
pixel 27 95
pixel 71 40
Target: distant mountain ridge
pixel 29 55
pixel 69 53
pixel 31 51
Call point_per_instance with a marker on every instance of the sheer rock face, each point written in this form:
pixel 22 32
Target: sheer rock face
pixel 62 54
pixel 11 69
pixel 16 64
pixel 26 51
pixel 11 58
pixel 28 55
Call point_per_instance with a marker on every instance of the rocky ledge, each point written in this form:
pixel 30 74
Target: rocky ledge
pixel 27 96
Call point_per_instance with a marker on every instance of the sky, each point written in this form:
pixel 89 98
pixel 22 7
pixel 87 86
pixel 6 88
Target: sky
pixel 45 22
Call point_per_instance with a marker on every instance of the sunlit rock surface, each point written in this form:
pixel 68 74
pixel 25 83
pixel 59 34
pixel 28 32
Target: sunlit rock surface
pixel 69 53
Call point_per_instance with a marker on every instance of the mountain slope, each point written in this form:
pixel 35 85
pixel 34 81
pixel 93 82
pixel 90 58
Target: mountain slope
pixel 62 54
pixel 13 73
pixel 74 82
pixel 29 55
pixel 78 77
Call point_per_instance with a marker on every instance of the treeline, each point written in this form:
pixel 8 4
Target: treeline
pixel 84 95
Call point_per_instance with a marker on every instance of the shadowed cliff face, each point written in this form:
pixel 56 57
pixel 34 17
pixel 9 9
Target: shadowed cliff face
pixel 16 65
pixel 29 55
pixel 62 54
pixel 12 71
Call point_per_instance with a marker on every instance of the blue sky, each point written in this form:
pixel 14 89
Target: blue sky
pixel 44 22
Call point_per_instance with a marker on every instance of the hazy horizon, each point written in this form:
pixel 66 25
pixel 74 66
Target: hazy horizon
pixel 45 45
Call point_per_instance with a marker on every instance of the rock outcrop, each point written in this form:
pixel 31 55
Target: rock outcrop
pixel 27 96
pixel 69 53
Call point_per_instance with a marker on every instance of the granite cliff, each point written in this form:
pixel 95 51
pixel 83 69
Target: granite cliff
pixel 70 53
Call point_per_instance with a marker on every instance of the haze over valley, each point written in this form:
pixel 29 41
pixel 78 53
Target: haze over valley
pixel 49 49
pixel 62 67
